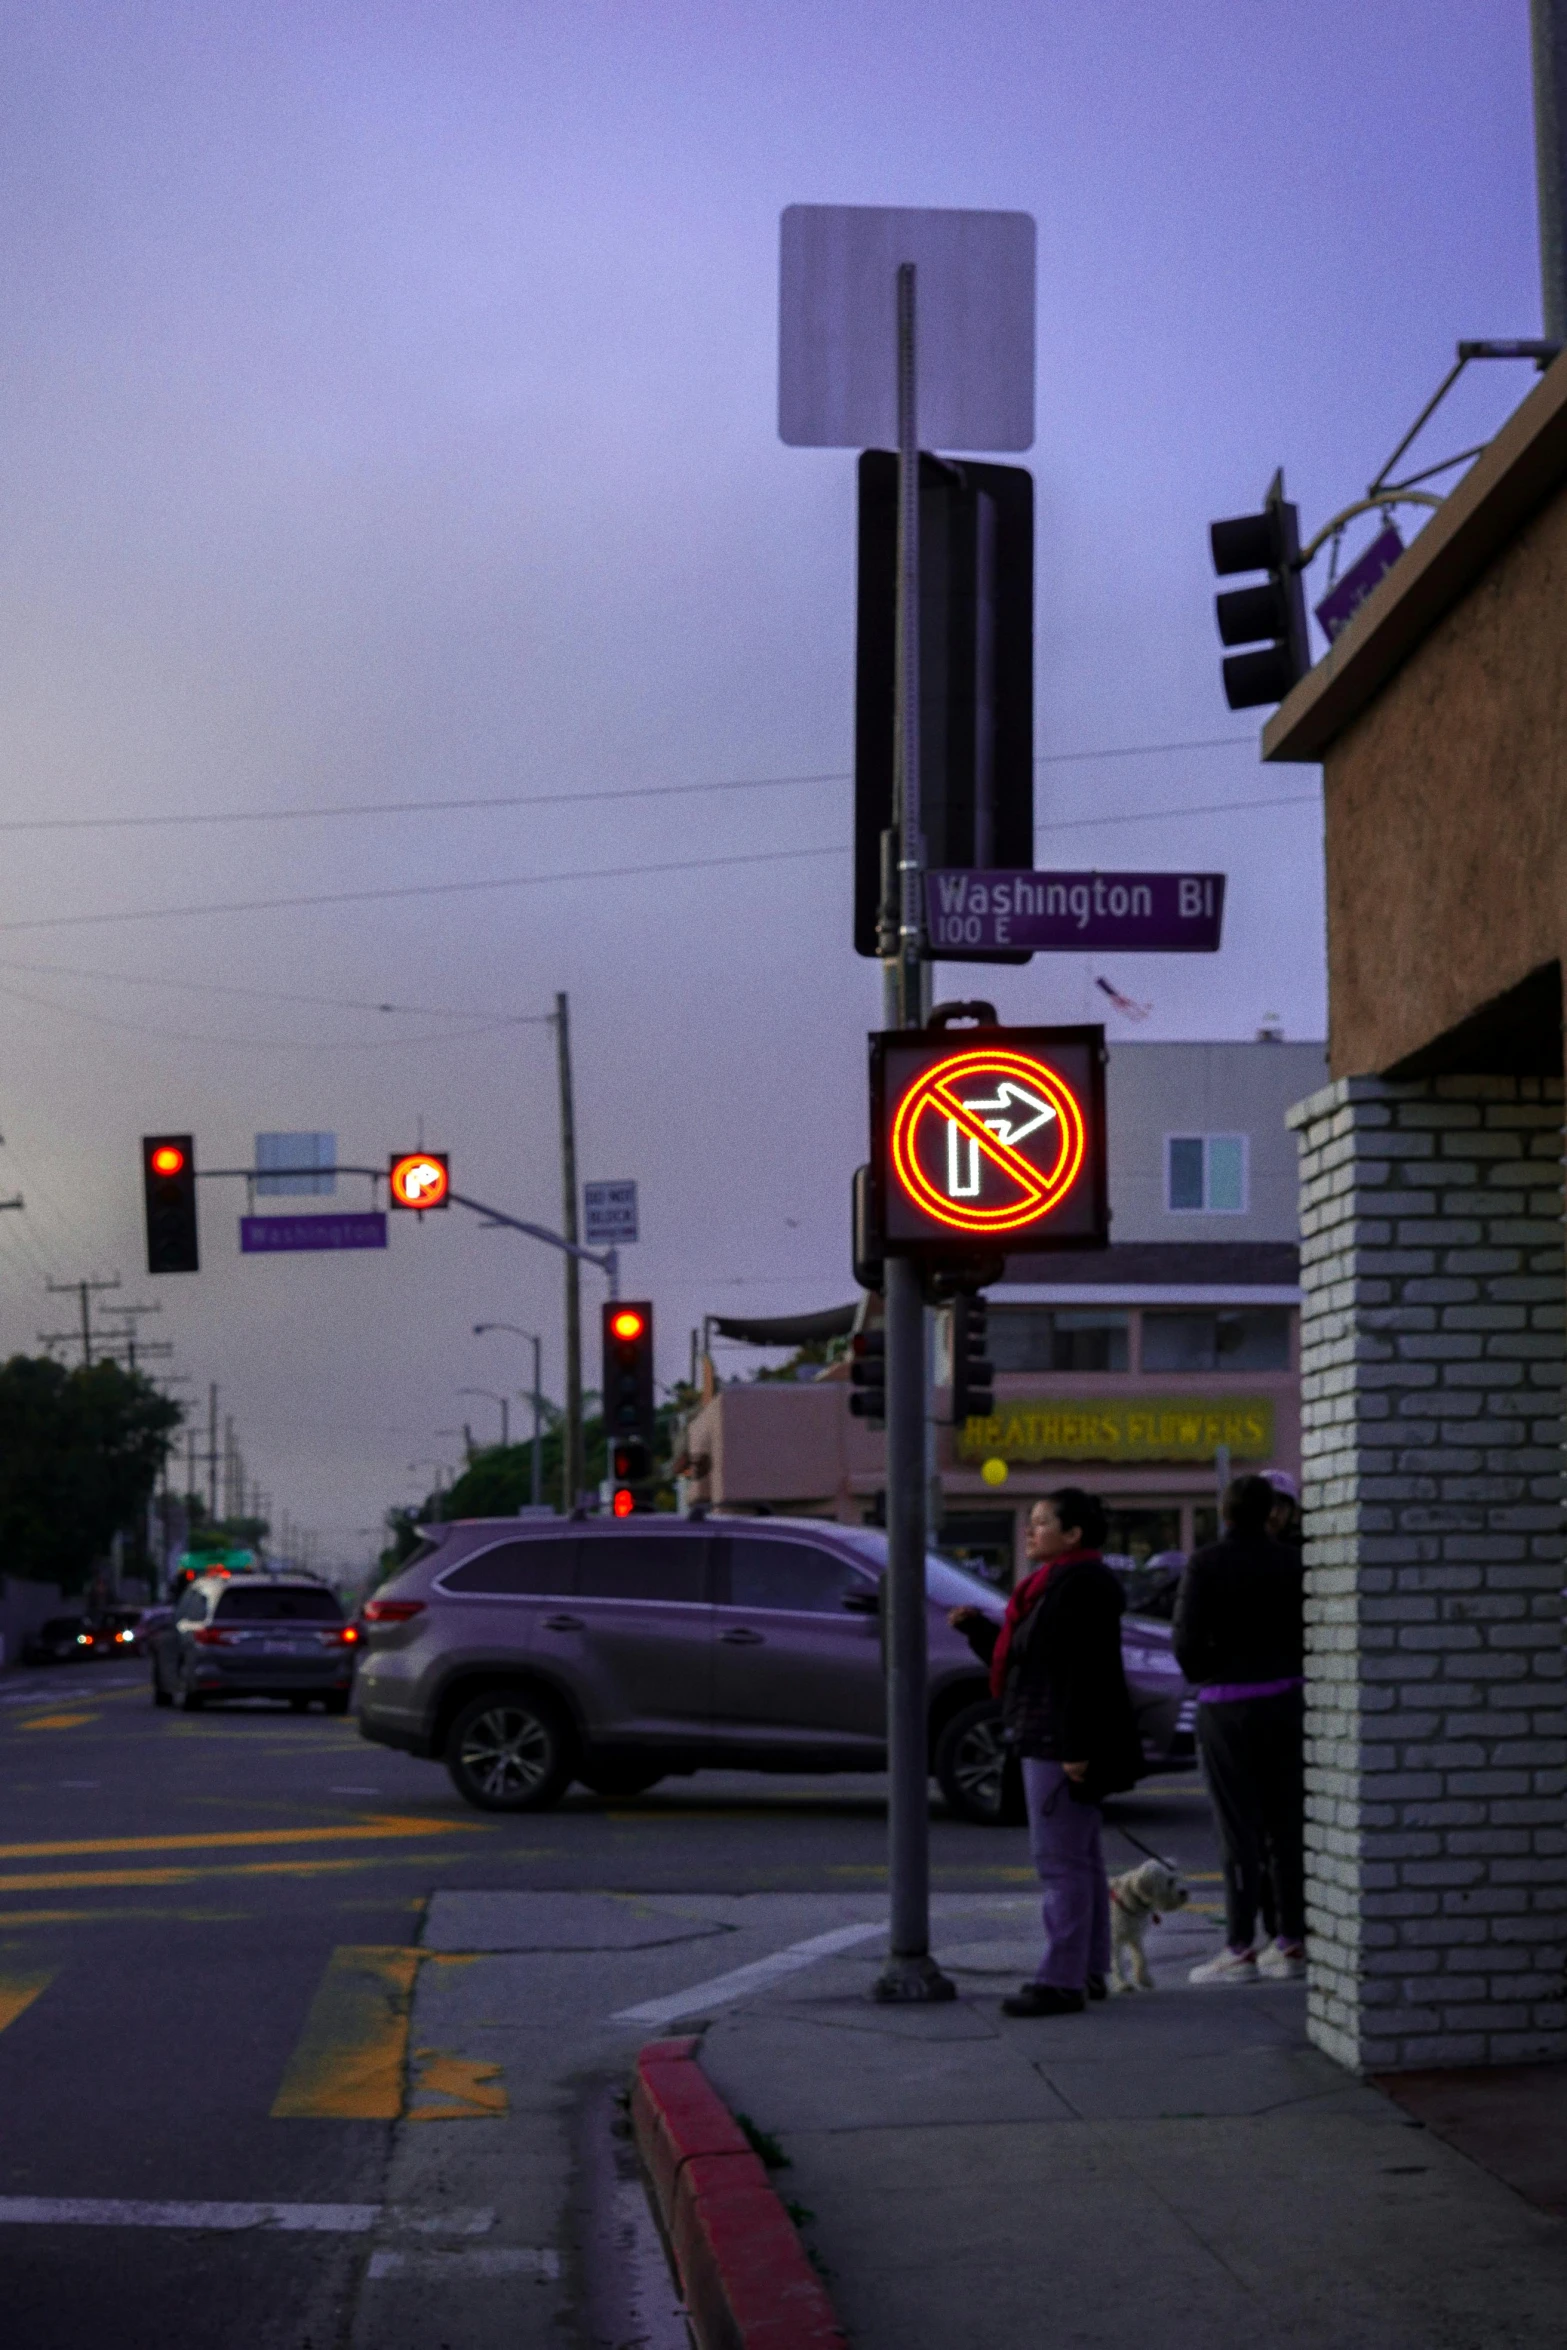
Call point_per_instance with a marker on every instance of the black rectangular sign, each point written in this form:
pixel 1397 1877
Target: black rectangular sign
pixel 988 1141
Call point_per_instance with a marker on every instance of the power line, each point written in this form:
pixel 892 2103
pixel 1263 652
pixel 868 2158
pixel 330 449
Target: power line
pixel 554 799
pixel 437 889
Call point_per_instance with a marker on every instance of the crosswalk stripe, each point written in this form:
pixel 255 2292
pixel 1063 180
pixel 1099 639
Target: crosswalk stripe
pixel 17 1993
pixel 349 2062
pixel 317 2219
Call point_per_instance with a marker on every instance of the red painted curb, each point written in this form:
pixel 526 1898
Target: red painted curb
pixel 743 2271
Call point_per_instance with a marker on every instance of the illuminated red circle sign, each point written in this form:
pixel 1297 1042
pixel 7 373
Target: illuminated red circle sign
pixel 991 1141
pixel 988 1114
pixel 419 1179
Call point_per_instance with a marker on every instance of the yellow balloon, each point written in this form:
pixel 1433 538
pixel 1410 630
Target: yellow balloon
pixel 994 1472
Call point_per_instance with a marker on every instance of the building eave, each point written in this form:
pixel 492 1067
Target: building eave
pixel 1508 482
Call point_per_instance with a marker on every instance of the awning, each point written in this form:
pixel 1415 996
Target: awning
pixel 787 1329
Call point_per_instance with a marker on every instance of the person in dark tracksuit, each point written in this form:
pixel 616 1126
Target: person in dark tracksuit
pixel 1055 1666
pixel 1239 1635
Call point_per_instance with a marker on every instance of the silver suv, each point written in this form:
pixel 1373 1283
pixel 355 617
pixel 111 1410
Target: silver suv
pixel 529 1656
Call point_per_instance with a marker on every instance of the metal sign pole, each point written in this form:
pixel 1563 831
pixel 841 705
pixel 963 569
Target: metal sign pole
pixel 910 1973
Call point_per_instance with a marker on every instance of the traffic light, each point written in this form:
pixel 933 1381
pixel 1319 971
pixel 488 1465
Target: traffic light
pixel 868 1376
pixel 630 1422
pixel 976 675
pixel 168 1175
pixel 1270 618
pixel 972 1370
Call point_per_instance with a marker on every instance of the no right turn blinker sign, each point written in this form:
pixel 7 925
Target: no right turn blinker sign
pixel 989 1139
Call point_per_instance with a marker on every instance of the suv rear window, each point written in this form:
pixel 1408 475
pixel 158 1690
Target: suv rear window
pixel 644 1566
pixel 277 1606
pixel 518 1570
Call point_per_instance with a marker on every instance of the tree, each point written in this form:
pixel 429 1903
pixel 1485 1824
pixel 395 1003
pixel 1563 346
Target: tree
pixel 80 1453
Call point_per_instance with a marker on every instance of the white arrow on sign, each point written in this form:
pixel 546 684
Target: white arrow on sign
pixel 996 1113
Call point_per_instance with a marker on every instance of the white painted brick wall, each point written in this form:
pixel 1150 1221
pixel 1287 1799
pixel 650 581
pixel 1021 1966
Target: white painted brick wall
pixel 1432 1364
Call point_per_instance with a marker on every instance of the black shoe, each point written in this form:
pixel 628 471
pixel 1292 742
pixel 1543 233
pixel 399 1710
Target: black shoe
pixel 1097 1987
pixel 1043 1999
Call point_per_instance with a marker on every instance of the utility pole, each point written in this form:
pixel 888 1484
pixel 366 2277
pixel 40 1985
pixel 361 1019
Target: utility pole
pixel 212 1452
pixel 910 1972
pixel 1548 35
pixel 572 1462
pixel 85 1290
pixel 133 1315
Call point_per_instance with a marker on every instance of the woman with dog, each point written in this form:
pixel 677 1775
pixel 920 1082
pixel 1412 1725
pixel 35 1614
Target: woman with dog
pixel 1239 1635
pixel 1055 1667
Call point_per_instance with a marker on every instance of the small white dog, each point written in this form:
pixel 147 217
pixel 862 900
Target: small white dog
pixel 1140 1896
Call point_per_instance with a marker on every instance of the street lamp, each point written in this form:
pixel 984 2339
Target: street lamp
pixel 494 1398
pixel 517 1331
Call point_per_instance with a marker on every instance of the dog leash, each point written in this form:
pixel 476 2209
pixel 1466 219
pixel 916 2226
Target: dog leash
pixel 1146 1850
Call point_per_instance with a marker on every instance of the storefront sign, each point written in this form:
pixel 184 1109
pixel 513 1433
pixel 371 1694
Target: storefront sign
pixel 1142 1428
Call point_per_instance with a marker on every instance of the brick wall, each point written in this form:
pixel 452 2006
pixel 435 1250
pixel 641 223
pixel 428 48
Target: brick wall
pixel 1432 1358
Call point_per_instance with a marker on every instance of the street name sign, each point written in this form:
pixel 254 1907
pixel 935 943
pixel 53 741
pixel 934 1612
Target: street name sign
pixel 609 1213
pixel 838 326
pixel 988 1141
pixel 265 1236
pixel 1044 913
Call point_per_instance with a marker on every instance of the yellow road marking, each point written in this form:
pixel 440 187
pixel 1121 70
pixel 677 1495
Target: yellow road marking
pixel 19 1991
pixel 55 1721
pixel 448 2088
pixel 392 1824
pixel 74 1880
pixel 348 2064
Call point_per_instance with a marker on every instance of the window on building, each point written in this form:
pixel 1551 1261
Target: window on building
pixel 1205 1174
pixel 1227 1338
pixel 1045 1338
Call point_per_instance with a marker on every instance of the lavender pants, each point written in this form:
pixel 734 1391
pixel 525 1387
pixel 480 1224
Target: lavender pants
pixel 1063 1837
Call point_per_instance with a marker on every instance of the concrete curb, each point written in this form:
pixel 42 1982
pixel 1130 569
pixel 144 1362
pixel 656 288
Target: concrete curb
pixel 742 2269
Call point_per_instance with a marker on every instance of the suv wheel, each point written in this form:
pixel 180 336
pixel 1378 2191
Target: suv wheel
pixel 977 1771
pixel 510 1750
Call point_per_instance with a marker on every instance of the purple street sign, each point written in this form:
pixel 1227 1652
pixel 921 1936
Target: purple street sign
pixel 1344 599
pixel 1136 913
pixel 261 1236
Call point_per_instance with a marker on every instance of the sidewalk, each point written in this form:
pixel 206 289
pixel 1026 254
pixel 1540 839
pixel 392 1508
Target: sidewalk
pixel 1180 2167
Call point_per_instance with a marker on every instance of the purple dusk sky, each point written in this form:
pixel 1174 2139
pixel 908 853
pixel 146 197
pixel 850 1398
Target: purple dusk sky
pixel 387 411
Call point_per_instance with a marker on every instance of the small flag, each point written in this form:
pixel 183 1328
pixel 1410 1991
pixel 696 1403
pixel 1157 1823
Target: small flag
pixel 1123 1003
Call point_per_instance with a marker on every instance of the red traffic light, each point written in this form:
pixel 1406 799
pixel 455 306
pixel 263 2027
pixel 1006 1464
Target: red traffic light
pixel 624 1503
pixel 628 1323
pixel 419 1180
pixel 168 1159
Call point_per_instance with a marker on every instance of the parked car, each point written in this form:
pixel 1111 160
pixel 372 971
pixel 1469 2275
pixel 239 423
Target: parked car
pixel 56 1641
pixel 617 1653
pixel 255 1636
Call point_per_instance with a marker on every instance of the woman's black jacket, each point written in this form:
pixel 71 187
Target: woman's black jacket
pixel 1065 1697
pixel 1239 1612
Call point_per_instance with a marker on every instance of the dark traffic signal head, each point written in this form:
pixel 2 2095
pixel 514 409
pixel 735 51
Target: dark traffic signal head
pixel 1271 618
pixel 972 1371
pixel 630 1422
pixel 168 1174
pixel 868 1376
pixel 977 639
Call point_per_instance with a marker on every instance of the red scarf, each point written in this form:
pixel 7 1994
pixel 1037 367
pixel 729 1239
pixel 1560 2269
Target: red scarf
pixel 1023 1598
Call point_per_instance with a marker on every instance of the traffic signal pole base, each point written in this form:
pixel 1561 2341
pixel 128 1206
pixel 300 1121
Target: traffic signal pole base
pixel 909 1982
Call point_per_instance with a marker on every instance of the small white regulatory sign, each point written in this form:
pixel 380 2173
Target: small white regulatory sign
pixel 611 1213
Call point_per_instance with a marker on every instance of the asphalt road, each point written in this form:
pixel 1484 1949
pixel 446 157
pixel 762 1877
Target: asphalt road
pixel 210 1930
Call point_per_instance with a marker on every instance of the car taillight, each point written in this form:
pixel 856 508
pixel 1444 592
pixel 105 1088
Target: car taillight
pixel 392 1611
pixel 208 1636
pixel 346 1635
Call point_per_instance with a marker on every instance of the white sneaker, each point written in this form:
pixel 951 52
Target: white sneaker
pixel 1282 1962
pixel 1230 1966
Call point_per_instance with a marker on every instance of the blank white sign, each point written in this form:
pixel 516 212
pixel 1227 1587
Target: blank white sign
pixel 838 326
